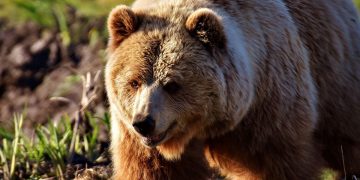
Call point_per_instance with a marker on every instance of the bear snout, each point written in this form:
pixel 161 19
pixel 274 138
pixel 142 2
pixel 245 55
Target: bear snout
pixel 144 126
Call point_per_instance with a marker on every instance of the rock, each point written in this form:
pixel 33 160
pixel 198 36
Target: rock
pixel 19 56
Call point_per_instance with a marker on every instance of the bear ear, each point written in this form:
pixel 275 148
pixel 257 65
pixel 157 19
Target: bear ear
pixel 122 21
pixel 205 25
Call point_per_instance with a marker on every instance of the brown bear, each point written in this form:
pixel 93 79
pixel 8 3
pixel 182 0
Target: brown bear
pixel 255 89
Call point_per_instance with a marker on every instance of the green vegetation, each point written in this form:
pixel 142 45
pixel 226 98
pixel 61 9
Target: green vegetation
pixel 357 4
pixel 51 147
pixel 59 15
pixel 50 13
pixel 328 175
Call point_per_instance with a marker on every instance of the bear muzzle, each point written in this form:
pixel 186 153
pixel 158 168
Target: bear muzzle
pixel 146 129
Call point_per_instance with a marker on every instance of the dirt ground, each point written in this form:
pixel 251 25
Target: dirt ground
pixel 35 66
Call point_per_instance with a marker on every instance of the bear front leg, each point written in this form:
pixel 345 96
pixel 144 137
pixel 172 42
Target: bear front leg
pixel 237 157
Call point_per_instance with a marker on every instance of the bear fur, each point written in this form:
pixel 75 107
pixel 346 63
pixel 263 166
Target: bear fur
pixel 255 89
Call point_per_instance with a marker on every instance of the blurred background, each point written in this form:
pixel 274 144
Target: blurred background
pixel 53 117
pixel 45 46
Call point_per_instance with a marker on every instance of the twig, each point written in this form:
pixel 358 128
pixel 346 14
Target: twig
pixel 62 99
pixel 89 94
pixel 73 138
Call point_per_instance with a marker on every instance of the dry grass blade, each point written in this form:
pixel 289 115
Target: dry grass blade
pixel 18 125
pixel 62 99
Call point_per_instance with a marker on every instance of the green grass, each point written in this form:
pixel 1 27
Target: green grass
pixel 357 4
pixel 50 12
pixel 49 147
pixel 328 175
pixel 63 16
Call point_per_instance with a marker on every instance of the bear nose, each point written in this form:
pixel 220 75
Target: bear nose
pixel 145 127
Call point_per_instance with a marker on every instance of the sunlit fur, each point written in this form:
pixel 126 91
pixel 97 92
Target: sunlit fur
pixel 269 89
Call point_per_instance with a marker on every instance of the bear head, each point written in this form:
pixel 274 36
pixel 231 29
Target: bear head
pixel 165 75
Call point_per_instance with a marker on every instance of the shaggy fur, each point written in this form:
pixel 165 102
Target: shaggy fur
pixel 263 89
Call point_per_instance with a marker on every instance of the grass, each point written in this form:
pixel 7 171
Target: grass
pixel 48 13
pixel 50 149
pixel 46 153
pixel 357 4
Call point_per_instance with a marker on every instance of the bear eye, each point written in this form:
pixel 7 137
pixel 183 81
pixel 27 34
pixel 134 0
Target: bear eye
pixel 172 87
pixel 135 84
